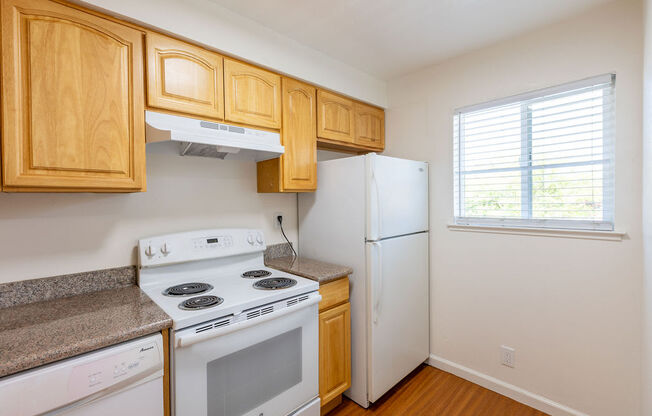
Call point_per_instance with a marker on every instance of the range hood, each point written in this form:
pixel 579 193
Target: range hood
pixel 210 139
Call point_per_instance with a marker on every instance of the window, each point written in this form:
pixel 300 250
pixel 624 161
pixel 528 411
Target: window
pixel 542 159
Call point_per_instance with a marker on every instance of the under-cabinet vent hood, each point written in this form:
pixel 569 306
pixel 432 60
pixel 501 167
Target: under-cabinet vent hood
pixel 210 139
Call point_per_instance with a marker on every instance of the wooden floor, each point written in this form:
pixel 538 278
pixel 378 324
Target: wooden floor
pixel 432 392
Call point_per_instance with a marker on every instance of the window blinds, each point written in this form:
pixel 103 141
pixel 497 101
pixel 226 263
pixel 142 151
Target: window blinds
pixel 541 159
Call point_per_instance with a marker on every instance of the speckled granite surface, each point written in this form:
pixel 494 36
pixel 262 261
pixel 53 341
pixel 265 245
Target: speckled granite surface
pixel 277 250
pixel 43 332
pixel 37 290
pixel 312 269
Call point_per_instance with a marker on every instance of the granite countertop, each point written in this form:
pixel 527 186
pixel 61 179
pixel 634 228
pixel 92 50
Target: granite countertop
pixel 38 333
pixel 309 268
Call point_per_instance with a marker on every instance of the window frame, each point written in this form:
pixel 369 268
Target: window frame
pixel 526 221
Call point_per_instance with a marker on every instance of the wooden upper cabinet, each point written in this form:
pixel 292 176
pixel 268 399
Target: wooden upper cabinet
pixel 299 162
pixel 369 126
pixel 184 78
pixel 296 169
pixel 335 117
pixel 72 100
pixel 251 95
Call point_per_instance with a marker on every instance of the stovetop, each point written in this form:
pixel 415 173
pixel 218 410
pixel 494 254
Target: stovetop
pixel 237 294
pixel 219 270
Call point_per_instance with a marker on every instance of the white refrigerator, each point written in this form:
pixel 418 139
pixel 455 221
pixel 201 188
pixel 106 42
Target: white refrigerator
pixel 371 213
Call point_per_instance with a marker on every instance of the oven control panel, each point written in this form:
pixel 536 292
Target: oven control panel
pixel 212 242
pixel 198 245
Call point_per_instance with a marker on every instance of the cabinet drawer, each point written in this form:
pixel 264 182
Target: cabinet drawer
pixel 333 293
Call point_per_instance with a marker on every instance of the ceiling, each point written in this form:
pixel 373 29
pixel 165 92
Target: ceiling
pixel 387 38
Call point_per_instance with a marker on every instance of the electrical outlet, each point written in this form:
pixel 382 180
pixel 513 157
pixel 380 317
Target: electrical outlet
pixel 276 224
pixel 507 356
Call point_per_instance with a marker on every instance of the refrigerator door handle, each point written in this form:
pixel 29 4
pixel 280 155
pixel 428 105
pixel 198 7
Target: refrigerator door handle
pixel 379 214
pixel 379 283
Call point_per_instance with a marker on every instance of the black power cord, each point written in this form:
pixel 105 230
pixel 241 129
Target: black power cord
pixel 279 218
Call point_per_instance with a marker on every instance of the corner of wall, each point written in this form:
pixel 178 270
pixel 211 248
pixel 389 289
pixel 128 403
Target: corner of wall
pixel 646 343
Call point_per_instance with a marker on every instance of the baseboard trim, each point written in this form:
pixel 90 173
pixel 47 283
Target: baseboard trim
pixel 513 392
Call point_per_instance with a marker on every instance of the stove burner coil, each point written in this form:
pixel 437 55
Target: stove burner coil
pixel 186 289
pixel 275 283
pixel 200 302
pixel 256 274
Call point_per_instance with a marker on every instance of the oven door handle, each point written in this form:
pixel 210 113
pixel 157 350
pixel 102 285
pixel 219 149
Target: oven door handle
pixel 189 338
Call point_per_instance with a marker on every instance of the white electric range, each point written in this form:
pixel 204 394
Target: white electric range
pixel 245 337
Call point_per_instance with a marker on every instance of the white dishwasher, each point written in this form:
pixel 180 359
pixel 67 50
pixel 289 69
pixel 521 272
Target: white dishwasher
pixel 124 379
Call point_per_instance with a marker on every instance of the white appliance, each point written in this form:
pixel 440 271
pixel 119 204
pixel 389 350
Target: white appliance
pixel 211 139
pixel 125 379
pixel 371 213
pixel 245 339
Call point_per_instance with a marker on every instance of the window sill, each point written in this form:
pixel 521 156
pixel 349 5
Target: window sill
pixel 544 232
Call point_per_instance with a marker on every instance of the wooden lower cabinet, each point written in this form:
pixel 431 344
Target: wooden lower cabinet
pixel 73 100
pixel 334 343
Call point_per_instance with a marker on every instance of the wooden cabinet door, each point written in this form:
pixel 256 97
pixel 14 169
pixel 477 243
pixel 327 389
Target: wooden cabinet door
pixel 72 100
pixel 334 352
pixel 369 126
pixel 335 118
pixel 299 162
pixel 184 78
pixel 251 95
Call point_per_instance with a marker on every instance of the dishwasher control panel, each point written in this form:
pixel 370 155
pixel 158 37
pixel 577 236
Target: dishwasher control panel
pixel 105 372
pixel 86 377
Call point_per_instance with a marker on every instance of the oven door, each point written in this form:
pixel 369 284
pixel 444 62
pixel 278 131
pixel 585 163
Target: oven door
pixel 262 366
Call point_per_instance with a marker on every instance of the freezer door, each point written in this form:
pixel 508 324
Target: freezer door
pixel 397 196
pixel 398 310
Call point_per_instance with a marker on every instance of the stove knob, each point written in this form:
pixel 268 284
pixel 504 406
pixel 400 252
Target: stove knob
pixel 149 251
pixel 250 239
pixel 259 239
pixel 166 249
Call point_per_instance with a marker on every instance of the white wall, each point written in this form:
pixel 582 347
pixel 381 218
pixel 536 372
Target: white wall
pixel 51 234
pixel 323 155
pixel 571 308
pixel 208 23
pixel 646 346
